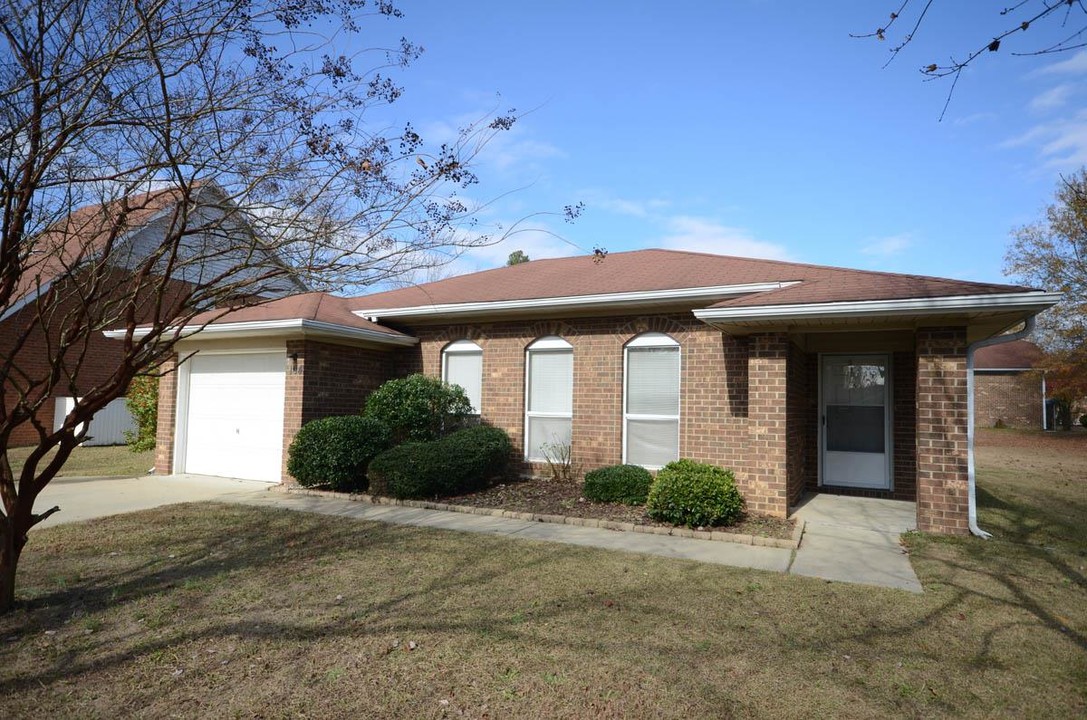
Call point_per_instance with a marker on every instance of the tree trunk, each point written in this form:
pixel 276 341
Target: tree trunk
pixel 9 562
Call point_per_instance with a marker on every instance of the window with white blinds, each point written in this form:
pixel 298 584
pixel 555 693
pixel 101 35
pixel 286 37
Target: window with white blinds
pixel 549 396
pixel 651 401
pixel 462 364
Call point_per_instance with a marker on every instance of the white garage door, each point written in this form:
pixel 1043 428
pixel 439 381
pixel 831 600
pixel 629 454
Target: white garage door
pixel 235 416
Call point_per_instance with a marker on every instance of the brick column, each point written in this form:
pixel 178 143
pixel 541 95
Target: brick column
pixel 293 395
pixel 767 465
pixel 167 418
pixel 941 430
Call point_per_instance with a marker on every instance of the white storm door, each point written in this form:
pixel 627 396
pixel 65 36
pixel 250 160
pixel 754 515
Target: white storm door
pixel 855 411
pixel 235 416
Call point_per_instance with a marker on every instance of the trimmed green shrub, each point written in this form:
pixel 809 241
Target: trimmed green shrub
pixel 336 451
pixel 419 407
pixel 1083 420
pixel 142 402
pixel 695 495
pixel 618 483
pixel 462 462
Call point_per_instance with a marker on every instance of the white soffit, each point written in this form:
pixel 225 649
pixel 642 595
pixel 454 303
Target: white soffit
pixel 278 327
pixel 1004 302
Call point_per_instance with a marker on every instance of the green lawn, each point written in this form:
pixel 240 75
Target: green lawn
pixel 117 461
pixel 227 611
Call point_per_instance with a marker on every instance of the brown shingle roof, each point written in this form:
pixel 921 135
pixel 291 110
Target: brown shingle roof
pixel 309 306
pixel 1016 355
pixel 647 270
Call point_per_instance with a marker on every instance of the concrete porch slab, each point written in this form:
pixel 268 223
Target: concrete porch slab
pixel 852 539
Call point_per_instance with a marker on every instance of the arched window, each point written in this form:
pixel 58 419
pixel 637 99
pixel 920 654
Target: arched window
pixel 651 401
pixel 462 364
pixel 549 395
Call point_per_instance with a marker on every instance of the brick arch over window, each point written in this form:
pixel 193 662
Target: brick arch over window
pixel 654 324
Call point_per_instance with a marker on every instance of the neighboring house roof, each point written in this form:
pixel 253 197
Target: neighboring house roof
pixel 1016 355
pixel 87 231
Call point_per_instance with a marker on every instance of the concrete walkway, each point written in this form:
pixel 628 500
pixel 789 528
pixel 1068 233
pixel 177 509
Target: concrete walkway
pixel 856 540
pixel 84 498
pixel 846 539
pixel 721 553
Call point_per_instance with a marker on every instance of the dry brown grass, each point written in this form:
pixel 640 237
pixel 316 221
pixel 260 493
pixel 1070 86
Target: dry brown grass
pixel 107 461
pixel 224 611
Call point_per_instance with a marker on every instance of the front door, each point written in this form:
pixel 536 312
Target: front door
pixel 855 417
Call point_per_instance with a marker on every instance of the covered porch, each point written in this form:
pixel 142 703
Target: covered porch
pixel 860 401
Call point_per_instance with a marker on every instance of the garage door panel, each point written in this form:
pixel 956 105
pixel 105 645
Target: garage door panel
pixel 235 415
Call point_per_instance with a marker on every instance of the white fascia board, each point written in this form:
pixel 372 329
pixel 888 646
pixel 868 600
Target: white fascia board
pixel 279 327
pixel 573 301
pixel 1036 300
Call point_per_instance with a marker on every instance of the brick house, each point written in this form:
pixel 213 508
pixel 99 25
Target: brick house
pixel 1007 389
pixel 800 378
pixel 50 297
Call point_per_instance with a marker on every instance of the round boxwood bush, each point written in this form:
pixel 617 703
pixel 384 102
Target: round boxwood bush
pixel 695 495
pixel 618 483
pixel 419 407
pixel 465 461
pixel 336 451
pixel 1083 420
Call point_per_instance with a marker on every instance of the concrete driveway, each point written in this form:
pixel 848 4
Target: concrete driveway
pixel 86 498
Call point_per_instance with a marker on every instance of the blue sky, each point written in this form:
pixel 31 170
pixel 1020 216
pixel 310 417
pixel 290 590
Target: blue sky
pixel 750 127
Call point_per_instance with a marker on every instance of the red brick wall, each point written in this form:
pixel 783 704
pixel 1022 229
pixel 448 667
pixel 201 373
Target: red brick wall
pixel 941 430
pixel 167 418
pixel 1015 398
pixel 33 343
pixel 717 424
pixel 324 379
pixel 904 429
pixel 32 358
pixel 801 411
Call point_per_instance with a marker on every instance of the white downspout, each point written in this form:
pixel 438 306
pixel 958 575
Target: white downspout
pixel 971 486
pixel 1045 415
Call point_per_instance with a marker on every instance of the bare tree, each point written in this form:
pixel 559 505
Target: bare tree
pixel 160 158
pixel 1053 253
pixel 1065 22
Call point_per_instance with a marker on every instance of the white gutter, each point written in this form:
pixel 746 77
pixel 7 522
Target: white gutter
pixel 971 478
pixel 870 308
pixel 275 327
pixel 572 301
pixel 1045 415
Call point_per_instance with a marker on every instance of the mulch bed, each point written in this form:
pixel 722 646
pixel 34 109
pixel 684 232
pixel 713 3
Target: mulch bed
pixel 559 497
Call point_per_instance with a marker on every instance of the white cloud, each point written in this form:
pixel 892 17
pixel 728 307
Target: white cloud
pixel 694 234
pixel 888 246
pixel 973 118
pixel 596 199
pixel 1053 98
pixel 1075 65
pixel 502 150
pixel 1061 143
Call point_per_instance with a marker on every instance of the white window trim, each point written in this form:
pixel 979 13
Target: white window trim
pixel 464 347
pixel 549 344
pixel 648 340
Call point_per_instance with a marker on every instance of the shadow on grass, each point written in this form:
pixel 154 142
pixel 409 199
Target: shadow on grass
pixel 266 556
pixel 266 542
